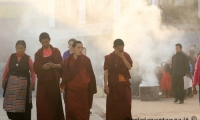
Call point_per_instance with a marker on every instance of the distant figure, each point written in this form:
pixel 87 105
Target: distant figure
pixel 18 69
pixel 84 51
pixel 116 83
pixel 166 81
pixel 192 56
pixel 180 68
pixel 48 67
pixel 193 49
pixel 70 50
pixel 188 92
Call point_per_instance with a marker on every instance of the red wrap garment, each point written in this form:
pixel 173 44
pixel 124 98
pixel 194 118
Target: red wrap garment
pixel 48 99
pixel 118 105
pixel 79 82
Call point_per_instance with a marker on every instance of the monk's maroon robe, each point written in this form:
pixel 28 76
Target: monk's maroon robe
pixel 79 83
pixel 118 104
pixel 48 99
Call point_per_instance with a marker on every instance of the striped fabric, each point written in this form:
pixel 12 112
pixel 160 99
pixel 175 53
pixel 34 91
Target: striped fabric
pixel 15 96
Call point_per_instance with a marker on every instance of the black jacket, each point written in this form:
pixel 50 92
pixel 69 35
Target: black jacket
pixel 180 65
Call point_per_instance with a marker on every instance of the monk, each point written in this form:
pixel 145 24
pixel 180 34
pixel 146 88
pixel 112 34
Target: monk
pixel 116 83
pixel 47 66
pixel 79 84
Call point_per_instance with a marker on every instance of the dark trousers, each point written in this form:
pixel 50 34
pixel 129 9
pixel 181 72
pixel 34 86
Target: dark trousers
pixel 19 116
pixel 178 87
pixel 188 91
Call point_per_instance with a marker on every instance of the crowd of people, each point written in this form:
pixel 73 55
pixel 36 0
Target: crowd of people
pixel 174 78
pixel 78 83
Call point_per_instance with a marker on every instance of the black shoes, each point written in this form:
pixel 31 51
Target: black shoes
pixel 181 102
pixel 176 100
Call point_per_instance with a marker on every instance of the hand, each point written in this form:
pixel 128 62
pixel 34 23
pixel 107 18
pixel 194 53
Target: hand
pixel 32 88
pixel 62 90
pixel 50 63
pixel 120 54
pixel 106 89
pixel 194 90
pixel 47 66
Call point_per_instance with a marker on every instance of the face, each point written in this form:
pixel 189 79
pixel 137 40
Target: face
pixel 20 49
pixel 84 52
pixel 45 43
pixel 119 49
pixel 70 45
pixel 78 49
pixel 178 49
pixel 193 48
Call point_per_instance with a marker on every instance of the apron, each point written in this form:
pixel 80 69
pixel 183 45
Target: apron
pixel 16 94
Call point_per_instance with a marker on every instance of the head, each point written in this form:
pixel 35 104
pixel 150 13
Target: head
pixel 118 45
pixel 166 68
pixel 20 47
pixel 178 47
pixel 193 47
pixel 70 43
pixel 191 52
pixel 45 39
pixel 84 52
pixel 78 48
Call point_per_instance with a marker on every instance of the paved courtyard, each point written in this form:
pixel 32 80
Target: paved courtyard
pixel 164 108
pixel 3 115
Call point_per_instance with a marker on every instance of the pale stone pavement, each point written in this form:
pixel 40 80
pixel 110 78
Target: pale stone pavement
pixel 164 108
pixel 3 115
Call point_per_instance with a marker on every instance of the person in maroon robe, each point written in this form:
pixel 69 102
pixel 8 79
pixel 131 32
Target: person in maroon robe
pixel 47 66
pixel 116 83
pixel 79 84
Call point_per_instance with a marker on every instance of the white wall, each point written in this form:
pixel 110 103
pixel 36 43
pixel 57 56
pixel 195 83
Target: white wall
pixel 51 13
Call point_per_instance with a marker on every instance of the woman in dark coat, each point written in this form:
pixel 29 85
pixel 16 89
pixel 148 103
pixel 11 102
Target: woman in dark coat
pixel 18 81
